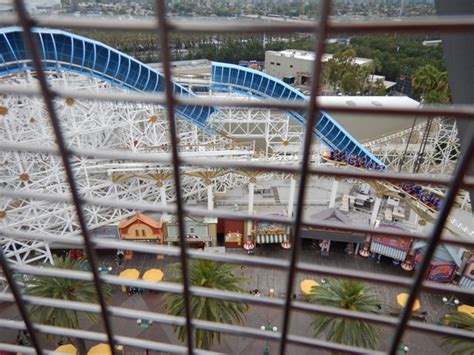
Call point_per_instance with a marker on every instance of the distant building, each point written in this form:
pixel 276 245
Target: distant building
pixel 388 85
pixel 404 86
pixel 344 41
pixel 296 66
pixel 432 43
pixel 198 232
pixel 140 228
pixel 34 6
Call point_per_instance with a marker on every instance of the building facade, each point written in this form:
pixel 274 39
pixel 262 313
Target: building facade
pixel 296 66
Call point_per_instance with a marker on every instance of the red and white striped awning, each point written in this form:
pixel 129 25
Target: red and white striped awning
pixel 271 238
pixel 466 282
pixel 391 252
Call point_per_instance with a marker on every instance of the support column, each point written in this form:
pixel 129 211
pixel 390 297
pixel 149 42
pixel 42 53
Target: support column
pixel 375 211
pixel 250 209
pixel 291 198
pixel 332 199
pixel 163 195
pixel 166 217
pixel 210 197
pixel 357 249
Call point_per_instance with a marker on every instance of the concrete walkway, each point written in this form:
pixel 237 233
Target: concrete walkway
pixel 262 279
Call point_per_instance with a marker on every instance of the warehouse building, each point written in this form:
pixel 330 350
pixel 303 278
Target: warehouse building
pixel 295 66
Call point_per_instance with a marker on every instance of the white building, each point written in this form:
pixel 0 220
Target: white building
pixel 34 6
pixel 296 66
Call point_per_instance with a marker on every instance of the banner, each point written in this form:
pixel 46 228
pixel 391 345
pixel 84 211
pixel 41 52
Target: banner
pixel 441 271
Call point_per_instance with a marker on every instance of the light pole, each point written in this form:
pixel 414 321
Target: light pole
pixel 104 269
pixel 451 301
pixel 403 350
pixel 144 323
pixel 269 328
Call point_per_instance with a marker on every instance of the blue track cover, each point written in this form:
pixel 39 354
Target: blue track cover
pixel 253 82
pixel 63 51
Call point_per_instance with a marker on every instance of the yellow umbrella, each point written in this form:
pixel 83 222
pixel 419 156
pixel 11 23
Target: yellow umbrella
pixel 469 310
pixel 67 349
pixel 402 301
pixel 307 285
pixel 129 274
pixel 133 274
pixel 153 275
pixel 100 349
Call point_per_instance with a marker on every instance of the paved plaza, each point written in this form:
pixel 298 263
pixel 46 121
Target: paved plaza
pixel 262 279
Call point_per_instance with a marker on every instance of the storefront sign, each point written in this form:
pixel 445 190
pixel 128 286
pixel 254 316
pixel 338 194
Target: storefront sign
pixel 441 271
pixel 398 243
pixel 106 232
pixel 388 250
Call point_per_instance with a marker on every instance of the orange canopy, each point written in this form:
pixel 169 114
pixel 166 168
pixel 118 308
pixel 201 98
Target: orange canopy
pixel 153 275
pixel 100 349
pixel 133 274
pixel 66 349
pixel 402 301
pixel 469 310
pixel 307 285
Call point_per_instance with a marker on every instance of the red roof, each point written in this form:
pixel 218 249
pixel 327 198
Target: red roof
pixel 142 218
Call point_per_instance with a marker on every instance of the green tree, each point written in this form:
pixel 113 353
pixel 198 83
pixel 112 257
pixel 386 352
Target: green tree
pixel 463 321
pixel 209 274
pixel 341 63
pixel 377 88
pixel 64 289
pixel 351 295
pixel 342 72
pixel 431 85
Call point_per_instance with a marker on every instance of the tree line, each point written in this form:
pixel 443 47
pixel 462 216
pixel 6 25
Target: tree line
pixel 397 55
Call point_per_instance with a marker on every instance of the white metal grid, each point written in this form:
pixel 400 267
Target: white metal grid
pixel 164 27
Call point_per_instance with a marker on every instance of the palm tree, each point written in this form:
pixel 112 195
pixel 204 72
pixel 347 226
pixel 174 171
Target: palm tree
pixel 431 84
pixel 64 289
pixel 464 321
pixel 351 295
pixel 209 274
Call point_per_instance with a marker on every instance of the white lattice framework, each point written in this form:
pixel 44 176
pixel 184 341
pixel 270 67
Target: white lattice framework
pixel 270 135
pixel 403 151
pixel 400 151
pixel 93 125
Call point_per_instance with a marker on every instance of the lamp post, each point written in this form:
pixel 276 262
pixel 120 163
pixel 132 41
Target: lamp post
pixel 104 269
pixel 403 350
pixel 144 323
pixel 270 328
pixel 325 283
pixel 451 301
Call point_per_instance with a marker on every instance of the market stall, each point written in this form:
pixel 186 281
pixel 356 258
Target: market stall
pixel 391 247
pixel 140 228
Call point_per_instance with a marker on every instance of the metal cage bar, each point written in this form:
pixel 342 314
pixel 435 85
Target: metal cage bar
pixel 313 112
pixel 32 46
pixel 165 58
pixel 164 26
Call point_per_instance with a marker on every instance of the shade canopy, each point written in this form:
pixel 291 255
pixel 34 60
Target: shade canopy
pixel 307 285
pixel 153 275
pixel 466 309
pixel 66 349
pixel 402 301
pixel 133 274
pixel 100 349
